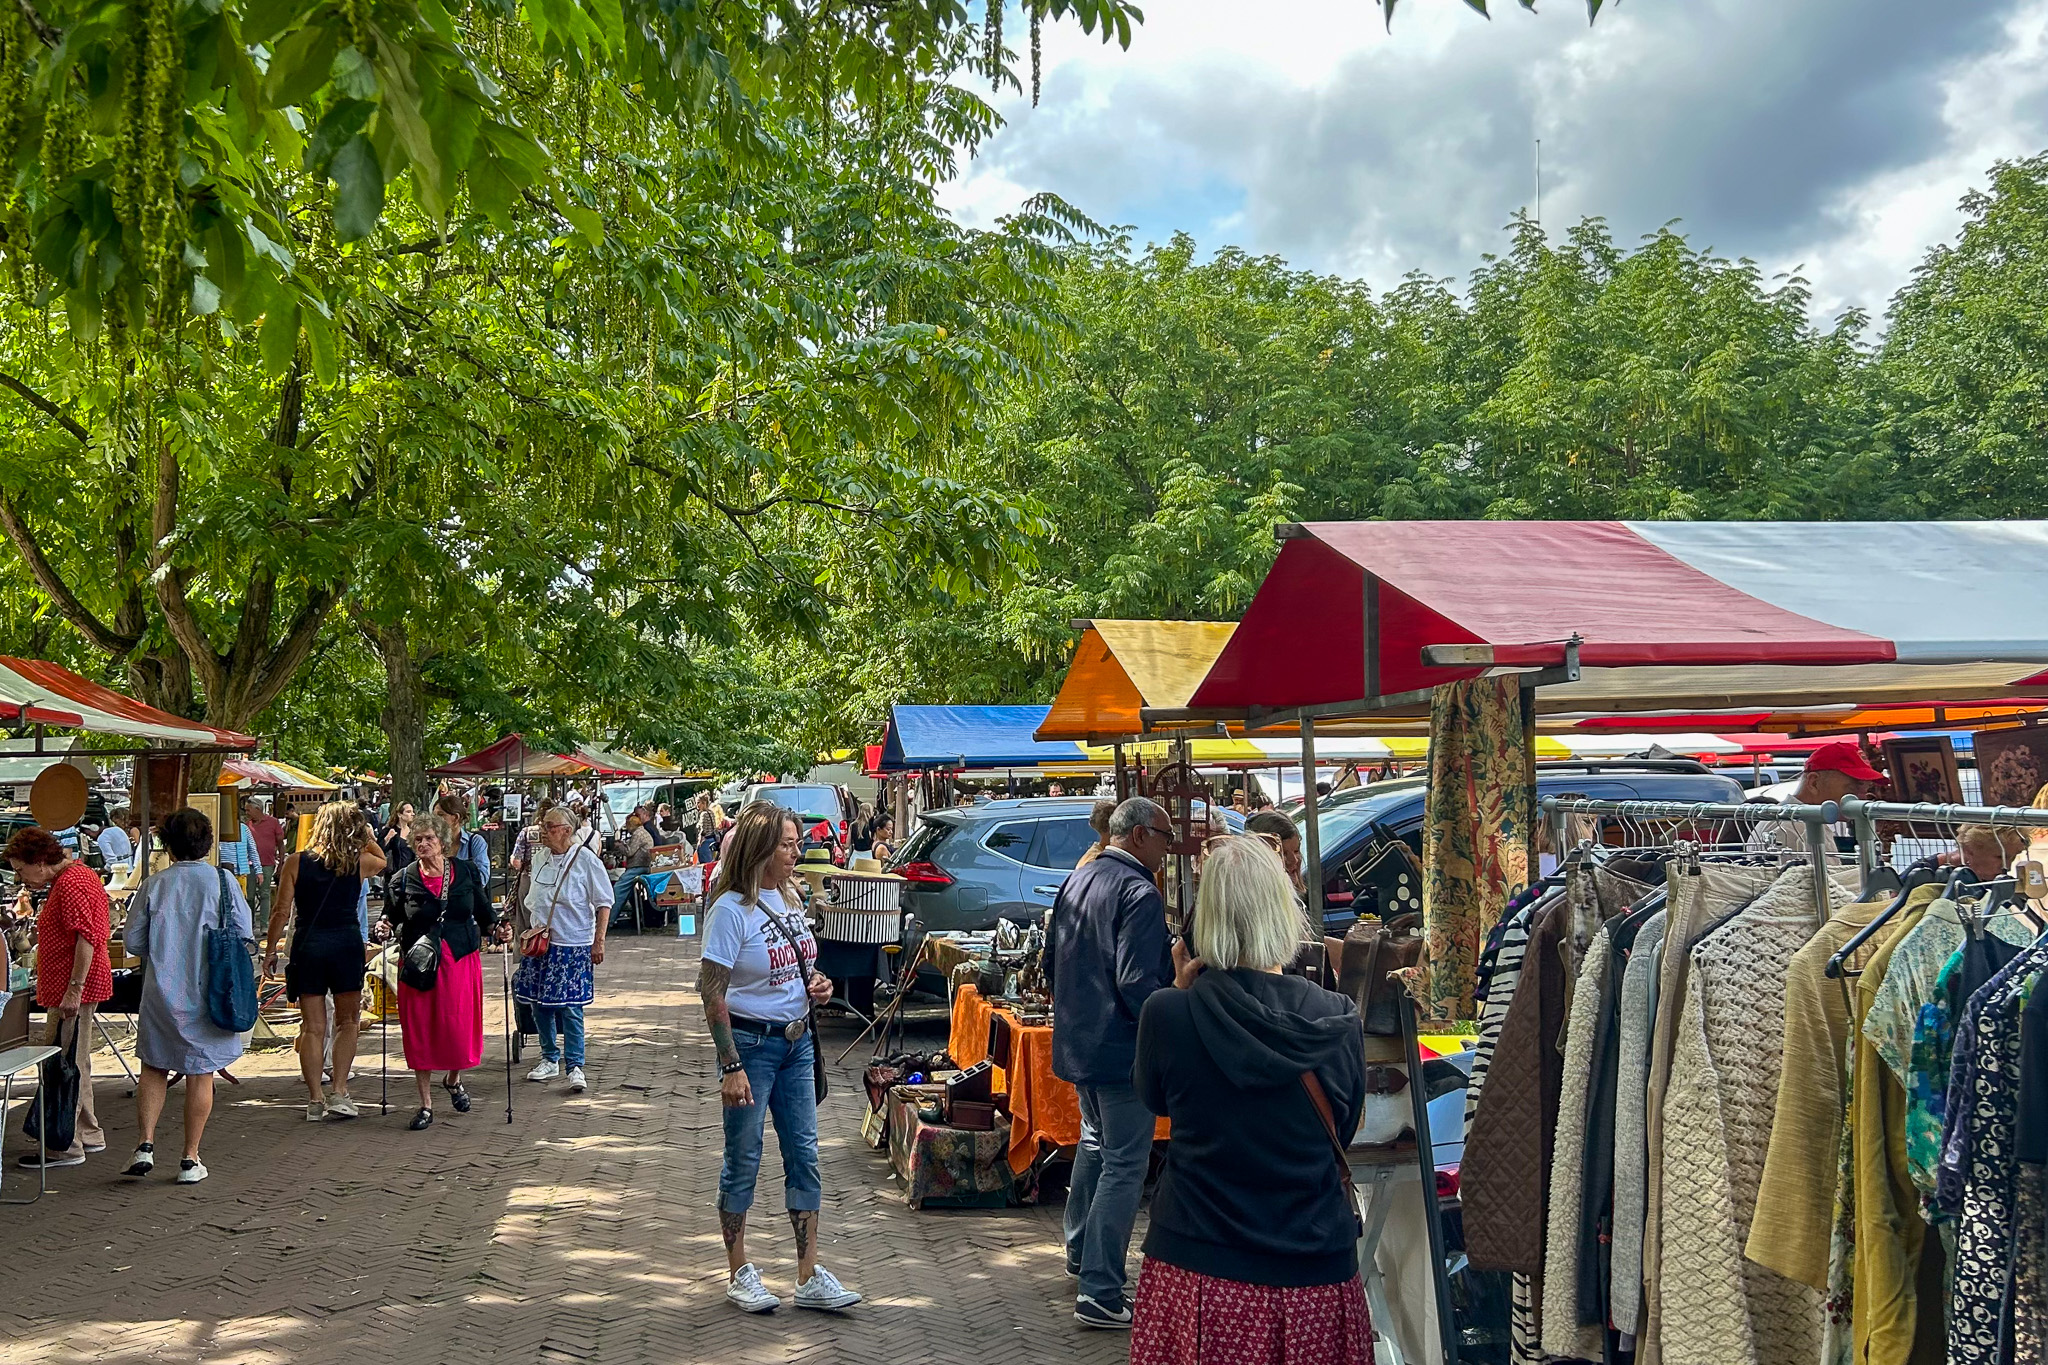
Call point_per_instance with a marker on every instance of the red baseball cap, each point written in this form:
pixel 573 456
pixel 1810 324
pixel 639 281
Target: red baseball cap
pixel 1844 758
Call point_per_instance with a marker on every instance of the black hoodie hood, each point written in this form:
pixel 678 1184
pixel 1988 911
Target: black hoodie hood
pixel 1264 1030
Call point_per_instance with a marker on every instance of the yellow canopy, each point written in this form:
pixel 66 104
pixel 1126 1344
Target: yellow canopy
pixel 1121 667
pixel 1203 752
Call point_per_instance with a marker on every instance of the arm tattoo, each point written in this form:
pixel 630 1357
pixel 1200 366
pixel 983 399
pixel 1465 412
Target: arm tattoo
pixel 712 980
pixel 804 1222
pixel 731 1225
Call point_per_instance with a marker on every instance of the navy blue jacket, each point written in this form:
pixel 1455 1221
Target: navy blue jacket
pixel 1106 953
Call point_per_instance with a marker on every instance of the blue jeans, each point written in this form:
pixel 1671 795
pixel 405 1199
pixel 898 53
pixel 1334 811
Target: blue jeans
pixel 569 1020
pixel 1107 1185
pixel 779 1073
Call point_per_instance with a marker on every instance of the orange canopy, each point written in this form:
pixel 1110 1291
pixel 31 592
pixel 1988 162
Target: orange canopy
pixel 1123 667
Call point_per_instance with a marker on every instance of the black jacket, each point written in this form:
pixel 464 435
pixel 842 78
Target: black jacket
pixel 1251 1190
pixel 1106 952
pixel 464 913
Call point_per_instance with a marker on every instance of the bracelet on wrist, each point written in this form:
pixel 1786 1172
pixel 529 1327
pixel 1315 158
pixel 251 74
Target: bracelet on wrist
pixel 729 1068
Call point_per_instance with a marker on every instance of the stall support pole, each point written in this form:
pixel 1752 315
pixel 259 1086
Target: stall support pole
pixel 1866 845
pixel 1312 836
pixel 1535 863
pixel 1425 1159
pixel 1819 845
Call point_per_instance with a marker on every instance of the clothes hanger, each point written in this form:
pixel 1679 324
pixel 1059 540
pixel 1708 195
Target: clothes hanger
pixel 1916 877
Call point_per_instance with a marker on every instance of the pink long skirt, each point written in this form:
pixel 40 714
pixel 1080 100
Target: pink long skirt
pixel 443 1028
pixel 1183 1318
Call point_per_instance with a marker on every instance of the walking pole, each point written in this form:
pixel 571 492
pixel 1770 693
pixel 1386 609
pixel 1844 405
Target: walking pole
pixel 505 972
pixel 383 1043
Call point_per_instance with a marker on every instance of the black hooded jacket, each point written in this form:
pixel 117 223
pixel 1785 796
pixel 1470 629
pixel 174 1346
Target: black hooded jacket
pixel 1251 1190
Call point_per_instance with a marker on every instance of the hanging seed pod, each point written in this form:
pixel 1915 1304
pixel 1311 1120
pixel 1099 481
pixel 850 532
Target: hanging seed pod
pixel 992 42
pixel 1037 8
pixel 356 14
pixel 62 138
pixel 162 207
pixel 14 58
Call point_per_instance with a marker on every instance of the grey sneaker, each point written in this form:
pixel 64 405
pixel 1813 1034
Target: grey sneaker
pixel 546 1071
pixel 191 1172
pixel 746 1291
pixel 316 1110
pixel 577 1084
pixel 823 1291
pixel 340 1106
pixel 1114 1316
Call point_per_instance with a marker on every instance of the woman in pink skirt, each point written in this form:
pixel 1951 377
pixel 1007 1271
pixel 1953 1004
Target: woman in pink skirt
pixel 443 916
pixel 1252 1253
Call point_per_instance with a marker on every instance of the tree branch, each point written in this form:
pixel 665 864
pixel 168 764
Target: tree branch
pixel 169 579
pixel 52 583
pixel 44 405
pixel 49 36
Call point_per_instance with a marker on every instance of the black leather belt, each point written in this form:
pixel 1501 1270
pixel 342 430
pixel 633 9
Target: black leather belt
pixel 792 1030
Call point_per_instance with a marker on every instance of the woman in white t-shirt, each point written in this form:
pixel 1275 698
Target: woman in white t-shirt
pixel 759 981
pixel 571 895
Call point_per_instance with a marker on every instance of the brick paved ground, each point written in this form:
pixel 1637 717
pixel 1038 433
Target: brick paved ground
pixel 584 1231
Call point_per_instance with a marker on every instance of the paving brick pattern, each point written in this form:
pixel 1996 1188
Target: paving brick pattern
pixel 584 1231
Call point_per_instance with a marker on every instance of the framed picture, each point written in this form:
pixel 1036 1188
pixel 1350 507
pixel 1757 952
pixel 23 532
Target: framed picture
pixel 2013 764
pixel 1923 768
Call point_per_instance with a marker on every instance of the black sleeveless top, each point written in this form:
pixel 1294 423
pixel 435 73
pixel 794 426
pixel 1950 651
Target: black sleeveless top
pixel 326 903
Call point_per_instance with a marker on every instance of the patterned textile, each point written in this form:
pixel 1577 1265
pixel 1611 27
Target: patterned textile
pixel 945 1166
pixel 1717 1308
pixel 1525 1327
pixel 1638 1008
pixel 1563 1334
pixel 1983 1115
pixel 564 977
pixel 2030 1268
pixel 1182 1318
pixel 1513 935
pixel 1475 850
pixel 1962 1121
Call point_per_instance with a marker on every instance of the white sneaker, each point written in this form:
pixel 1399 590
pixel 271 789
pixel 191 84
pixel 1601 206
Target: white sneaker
pixel 546 1071
pixel 746 1291
pixel 143 1164
pixel 191 1172
pixel 577 1085
pixel 823 1291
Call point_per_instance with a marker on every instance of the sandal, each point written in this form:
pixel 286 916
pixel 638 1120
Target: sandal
pixel 458 1097
pixel 423 1119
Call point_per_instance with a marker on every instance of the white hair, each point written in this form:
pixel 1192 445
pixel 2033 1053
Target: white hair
pixel 1245 914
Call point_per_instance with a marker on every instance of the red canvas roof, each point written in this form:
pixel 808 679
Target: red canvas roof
pixel 1521 588
pixel 45 693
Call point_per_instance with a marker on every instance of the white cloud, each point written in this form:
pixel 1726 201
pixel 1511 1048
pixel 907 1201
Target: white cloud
pixel 1833 135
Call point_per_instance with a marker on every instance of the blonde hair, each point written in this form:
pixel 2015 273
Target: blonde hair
pixel 755 835
pixel 338 837
pixel 1245 914
pixel 2010 839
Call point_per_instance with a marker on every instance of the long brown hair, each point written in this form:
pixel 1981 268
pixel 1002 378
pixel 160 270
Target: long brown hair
pixel 338 837
pixel 748 848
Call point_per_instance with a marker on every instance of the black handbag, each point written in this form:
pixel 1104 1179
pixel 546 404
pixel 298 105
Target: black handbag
pixel 417 969
pixel 58 1079
pixel 818 1081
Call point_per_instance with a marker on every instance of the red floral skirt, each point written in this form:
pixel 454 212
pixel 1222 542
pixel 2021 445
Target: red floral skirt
pixel 1183 1318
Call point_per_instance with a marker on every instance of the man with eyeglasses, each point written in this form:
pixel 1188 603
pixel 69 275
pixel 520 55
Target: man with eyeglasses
pixel 1107 951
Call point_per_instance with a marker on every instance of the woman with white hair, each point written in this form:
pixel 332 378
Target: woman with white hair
pixel 1252 1255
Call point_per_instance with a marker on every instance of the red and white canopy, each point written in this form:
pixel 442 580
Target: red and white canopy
pixel 39 693
pixel 1349 608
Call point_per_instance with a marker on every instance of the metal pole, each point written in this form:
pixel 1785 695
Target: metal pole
pixel 1311 832
pixel 1440 1279
pixel 1866 845
pixel 1819 844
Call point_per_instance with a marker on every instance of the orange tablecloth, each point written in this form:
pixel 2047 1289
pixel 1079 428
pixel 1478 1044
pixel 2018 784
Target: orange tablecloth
pixel 1042 1106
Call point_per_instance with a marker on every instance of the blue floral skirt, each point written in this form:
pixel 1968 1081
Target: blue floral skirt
pixel 563 977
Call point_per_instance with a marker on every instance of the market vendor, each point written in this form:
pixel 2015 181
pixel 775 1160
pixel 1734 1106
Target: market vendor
pixel 1833 771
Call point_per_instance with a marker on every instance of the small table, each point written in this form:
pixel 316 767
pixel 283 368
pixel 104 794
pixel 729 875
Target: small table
pixel 13 1062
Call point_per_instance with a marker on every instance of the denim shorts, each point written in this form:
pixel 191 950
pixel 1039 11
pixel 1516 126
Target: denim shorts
pixel 779 1073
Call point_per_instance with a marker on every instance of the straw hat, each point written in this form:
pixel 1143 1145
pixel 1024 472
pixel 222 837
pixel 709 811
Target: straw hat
pixel 814 867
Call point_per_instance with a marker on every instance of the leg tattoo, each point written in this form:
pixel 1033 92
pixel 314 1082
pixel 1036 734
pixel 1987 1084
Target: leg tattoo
pixel 804 1222
pixel 731 1225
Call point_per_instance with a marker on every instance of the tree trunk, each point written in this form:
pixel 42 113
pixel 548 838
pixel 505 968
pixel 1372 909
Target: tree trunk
pixel 404 717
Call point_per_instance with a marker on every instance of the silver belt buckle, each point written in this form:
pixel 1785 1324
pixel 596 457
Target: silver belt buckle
pixel 793 1030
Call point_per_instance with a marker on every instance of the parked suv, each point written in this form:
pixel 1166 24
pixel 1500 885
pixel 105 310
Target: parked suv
pixel 1346 820
pixel 815 804
pixel 969 866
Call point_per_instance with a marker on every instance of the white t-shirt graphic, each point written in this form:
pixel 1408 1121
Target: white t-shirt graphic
pixel 767 974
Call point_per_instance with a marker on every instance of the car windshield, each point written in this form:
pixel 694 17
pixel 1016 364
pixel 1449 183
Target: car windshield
pixel 811 803
pixel 1340 817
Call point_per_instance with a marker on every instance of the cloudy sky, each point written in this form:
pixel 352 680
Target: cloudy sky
pixel 1829 136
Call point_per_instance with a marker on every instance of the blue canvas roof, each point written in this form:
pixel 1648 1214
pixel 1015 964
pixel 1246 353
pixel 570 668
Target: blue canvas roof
pixel 971 737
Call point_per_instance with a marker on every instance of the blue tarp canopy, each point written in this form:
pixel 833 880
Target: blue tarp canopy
pixel 952 737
